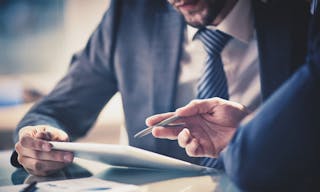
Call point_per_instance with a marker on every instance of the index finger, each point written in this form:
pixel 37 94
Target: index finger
pixel 152 120
pixel 35 144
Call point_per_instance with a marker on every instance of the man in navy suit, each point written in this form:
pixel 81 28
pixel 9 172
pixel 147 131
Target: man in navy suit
pixel 278 147
pixel 145 50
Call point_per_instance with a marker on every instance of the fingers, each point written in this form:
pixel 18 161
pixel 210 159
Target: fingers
pixel 190 144
pixel 35 144
pixel 42 163
pixel 40 167
pixel 59 156
pixel 44 132
pixel 157 118
pixel 166 133
pixel 183 135
pixel 35 153
pixel 197 107
pixel 193 149
pixel 184 138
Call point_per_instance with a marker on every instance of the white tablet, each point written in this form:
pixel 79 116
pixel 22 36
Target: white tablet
pixel 122 155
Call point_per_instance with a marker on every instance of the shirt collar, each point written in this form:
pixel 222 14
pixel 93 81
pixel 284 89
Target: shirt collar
pixel 238 23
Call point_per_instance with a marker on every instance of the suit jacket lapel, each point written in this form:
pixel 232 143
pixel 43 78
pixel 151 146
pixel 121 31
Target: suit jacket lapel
pixel 168 37
pixel 281 48
pixel 273 45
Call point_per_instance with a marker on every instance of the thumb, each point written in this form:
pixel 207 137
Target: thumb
pixel 44 135
pixel 51 134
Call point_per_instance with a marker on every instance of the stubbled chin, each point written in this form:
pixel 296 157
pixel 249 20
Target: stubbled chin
pixel 195 21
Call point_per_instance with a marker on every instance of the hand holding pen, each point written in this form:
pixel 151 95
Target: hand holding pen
pixel 208 125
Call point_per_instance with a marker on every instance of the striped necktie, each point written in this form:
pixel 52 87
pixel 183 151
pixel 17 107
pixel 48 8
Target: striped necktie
pixel 213 82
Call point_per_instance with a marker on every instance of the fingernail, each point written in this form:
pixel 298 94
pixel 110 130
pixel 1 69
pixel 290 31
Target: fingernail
pixel 67 158
pixel 46 147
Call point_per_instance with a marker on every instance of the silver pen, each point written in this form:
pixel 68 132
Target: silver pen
pixel 164 123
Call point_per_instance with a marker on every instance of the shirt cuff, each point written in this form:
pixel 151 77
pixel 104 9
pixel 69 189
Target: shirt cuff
pixel 14 160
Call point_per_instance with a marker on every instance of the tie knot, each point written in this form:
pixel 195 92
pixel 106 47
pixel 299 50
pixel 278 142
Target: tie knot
pixel 213 40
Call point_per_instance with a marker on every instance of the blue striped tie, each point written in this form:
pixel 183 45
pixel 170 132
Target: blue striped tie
pixel 213 82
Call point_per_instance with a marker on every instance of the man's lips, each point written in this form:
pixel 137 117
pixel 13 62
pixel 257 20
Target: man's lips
pixel 187 6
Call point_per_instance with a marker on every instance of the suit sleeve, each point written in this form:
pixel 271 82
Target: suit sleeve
pixel 279 147
pixel 77 99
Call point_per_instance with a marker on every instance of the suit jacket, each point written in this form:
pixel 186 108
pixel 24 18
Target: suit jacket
pixel 136 50
pixel 279 148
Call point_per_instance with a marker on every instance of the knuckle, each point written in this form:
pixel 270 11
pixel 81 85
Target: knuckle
pixel 37 154
pixel 24 129
pixel 38 166
pixel 37 145
pixel 190 151
pixel 41 128
pixel 28 130
pixel 24 140
pixel 17 147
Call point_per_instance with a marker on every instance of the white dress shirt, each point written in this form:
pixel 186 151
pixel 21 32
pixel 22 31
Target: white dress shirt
pixel 239 57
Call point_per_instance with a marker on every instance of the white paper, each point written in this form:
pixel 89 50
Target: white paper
pixel 122 155
pixel 76 185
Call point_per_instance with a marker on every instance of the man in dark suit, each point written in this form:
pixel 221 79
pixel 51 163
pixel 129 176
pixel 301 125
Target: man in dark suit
pixel 278 147
pixel 141 50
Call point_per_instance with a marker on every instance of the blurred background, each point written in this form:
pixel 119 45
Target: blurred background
pixel 37 40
